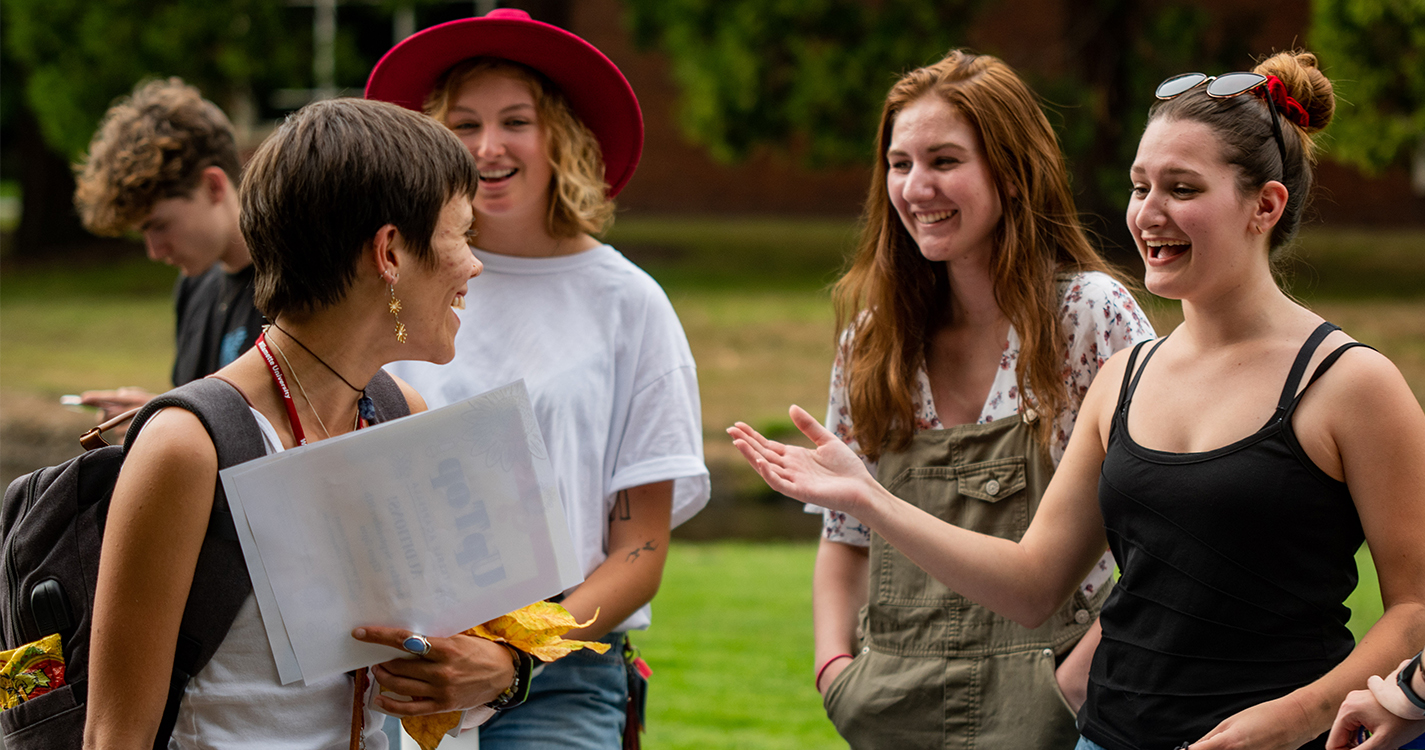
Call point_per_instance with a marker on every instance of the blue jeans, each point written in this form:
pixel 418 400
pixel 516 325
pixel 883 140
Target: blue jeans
pixel 1087 744
pixel 577 702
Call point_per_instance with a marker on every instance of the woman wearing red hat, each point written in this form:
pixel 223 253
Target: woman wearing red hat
pixel 556 132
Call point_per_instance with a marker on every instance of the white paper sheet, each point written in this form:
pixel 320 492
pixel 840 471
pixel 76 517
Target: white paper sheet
pixel 434 523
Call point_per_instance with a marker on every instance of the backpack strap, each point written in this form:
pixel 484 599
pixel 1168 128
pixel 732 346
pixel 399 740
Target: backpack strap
pixel 390 402
pixel 220 580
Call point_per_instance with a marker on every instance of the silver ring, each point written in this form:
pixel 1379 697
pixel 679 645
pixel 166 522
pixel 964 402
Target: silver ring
pixel 416 644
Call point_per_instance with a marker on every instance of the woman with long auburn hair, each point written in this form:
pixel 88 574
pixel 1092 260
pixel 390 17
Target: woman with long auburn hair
pixel 1234 467
pixel 973 318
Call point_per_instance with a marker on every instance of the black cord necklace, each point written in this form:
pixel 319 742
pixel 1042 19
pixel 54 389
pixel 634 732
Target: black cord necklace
pixel 364 407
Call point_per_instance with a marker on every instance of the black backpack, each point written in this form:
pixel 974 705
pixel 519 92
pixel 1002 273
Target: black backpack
pixel 51 527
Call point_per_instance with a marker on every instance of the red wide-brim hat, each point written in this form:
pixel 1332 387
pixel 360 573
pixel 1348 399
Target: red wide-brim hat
pixel 597 91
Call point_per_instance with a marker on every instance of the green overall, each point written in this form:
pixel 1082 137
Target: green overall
pixel 936 670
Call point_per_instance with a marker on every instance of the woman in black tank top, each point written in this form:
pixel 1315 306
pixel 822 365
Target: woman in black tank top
pixel 1234 467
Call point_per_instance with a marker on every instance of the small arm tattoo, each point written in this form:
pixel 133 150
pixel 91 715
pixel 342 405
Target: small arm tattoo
pixel 622 511
pixel 648 546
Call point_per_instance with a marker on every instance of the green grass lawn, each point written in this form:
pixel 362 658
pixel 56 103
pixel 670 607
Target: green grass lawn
pixel 731 648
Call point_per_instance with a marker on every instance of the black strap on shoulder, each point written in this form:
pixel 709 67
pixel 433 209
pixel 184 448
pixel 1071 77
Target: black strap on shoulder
pixel 1125 393
pixel 1321 369
pixel 223 412
pixel 1298 367
pixel 1128 373
pixel 220 581
pixel 387 397
pixel 1331 360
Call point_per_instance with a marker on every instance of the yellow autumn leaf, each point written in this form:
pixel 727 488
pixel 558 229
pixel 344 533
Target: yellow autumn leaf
pixel 537 629
pixel 427 731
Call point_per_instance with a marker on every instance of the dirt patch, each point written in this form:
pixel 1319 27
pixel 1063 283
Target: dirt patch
pixel 36 432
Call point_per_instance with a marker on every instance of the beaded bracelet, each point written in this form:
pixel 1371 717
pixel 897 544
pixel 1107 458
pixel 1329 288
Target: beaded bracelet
pixel 518 691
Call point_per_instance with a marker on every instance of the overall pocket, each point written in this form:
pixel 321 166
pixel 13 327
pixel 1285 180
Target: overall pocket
pixel 987 496
pixel 883 701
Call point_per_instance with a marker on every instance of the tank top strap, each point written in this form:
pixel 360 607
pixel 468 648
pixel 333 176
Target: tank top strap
pixel 1331 360
pixel 1298 368
pixel 1130 376
pixel 1322 368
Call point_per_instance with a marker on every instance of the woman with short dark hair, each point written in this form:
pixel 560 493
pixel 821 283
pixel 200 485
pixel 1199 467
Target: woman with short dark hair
pixel 335 241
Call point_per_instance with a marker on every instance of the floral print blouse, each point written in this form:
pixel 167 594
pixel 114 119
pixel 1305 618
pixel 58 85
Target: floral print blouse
pixel 1100 317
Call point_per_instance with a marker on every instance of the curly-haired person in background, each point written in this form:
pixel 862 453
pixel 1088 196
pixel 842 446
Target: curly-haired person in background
pixel 164 163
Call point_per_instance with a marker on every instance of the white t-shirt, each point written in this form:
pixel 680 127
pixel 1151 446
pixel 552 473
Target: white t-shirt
pixel 1099 316
pixel 609 372
pixel 237 701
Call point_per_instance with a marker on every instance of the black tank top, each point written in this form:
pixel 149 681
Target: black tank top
pixel 1235 566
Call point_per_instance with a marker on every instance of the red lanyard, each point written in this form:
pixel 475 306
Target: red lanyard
pixel 361 676
pixel 282 388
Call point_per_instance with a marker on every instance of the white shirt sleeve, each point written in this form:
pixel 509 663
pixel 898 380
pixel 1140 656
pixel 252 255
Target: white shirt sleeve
pixel 663 439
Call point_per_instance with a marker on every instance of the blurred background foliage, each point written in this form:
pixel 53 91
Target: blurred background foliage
pixel 63 62
pixel 805 73
pixel 809 76
pixel 801 77
pixel 1377 52
pixel 79 55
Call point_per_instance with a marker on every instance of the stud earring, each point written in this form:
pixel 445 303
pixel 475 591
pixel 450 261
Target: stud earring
pixel 395 308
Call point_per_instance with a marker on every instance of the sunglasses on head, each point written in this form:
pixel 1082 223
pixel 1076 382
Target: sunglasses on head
pixel 1225 86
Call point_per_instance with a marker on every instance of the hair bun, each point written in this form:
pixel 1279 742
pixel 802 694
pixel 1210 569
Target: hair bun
pixel 1306 84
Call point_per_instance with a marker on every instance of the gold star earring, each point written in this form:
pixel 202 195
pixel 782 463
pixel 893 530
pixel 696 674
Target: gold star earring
pixel 395 308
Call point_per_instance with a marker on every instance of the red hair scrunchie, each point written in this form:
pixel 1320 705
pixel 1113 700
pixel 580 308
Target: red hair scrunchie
pixel 1290 108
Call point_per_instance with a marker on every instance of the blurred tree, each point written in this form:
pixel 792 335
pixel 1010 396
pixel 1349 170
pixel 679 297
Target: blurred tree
pixel 65 61
pixel 77 56
pixel 1374 51
pixel 809 73
pixel 1120 50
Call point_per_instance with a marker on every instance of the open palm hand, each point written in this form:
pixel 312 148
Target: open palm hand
pixel 832 475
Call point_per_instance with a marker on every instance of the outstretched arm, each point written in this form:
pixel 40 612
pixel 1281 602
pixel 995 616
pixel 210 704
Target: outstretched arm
pixel 1025 581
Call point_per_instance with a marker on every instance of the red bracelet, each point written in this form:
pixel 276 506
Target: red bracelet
pixel 828 663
